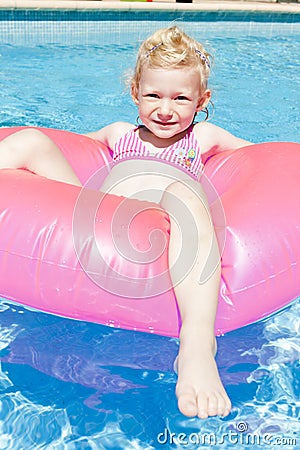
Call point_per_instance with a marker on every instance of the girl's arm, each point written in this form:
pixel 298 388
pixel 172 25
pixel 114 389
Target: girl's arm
pixel 213 139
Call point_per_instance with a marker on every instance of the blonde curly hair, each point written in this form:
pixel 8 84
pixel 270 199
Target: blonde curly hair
pixel 172 48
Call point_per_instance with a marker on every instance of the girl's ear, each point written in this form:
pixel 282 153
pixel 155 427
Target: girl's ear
pixel 204 100
pixel 134 93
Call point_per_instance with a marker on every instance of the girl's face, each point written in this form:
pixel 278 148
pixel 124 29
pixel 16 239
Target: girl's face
pixel 168 99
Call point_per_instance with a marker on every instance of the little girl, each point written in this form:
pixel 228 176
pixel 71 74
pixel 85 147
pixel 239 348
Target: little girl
pixel 169 87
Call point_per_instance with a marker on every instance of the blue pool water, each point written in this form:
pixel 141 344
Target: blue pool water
pixel 67 384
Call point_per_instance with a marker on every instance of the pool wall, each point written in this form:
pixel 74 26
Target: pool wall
pixel 19 26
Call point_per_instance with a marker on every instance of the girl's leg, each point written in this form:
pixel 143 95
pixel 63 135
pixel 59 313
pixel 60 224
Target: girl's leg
pixel 199 388
pixel 32 150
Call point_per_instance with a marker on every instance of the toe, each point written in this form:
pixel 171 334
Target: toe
pixel 227 409
pixel 187 405
pixel 213 404
pixel 224 406
pixel 202 403
pixel 221 405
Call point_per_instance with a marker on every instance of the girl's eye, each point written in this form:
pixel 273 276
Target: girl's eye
pixel 181 98
pixel 152 95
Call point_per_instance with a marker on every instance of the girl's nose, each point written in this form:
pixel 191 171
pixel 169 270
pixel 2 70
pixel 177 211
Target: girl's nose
pixel 165 108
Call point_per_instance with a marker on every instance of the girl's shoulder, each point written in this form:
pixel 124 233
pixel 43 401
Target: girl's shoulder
pixel 212 137
pixel 120 128
pixel 111 133
pixel 207 135
pixel 116 130
pixel 205 128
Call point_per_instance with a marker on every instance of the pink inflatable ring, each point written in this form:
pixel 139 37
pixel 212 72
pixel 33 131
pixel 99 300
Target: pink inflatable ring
pixel 48 263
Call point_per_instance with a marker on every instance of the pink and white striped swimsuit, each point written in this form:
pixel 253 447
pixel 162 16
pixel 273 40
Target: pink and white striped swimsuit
pixel 184 154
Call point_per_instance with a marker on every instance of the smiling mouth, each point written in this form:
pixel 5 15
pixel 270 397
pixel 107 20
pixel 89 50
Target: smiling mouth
pixel 164 124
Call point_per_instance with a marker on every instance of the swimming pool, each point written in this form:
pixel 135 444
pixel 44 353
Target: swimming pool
pixel 77 385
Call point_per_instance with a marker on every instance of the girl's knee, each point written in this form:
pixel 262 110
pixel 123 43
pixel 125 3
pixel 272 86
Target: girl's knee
pixel 186 190
pixel 25 146
pixel 187 204
pixel 35 143
pixel 30 135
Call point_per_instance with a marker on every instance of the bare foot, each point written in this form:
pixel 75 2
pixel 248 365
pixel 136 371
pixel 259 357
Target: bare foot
pixel 199 389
